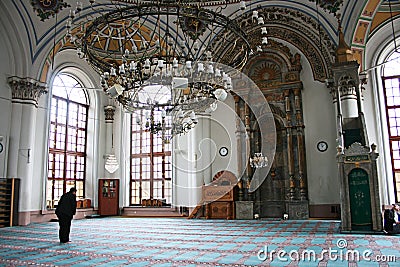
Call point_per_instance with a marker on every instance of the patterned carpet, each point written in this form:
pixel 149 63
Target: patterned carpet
pixel 116 241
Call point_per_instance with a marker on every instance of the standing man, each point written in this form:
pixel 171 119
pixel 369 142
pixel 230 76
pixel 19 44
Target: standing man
pixel 65 211
pixel 391 223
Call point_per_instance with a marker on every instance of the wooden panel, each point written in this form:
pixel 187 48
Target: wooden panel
pixel 219 201
pixel 220 193
pixel 9 200
pixel 325 211
pixel 220 210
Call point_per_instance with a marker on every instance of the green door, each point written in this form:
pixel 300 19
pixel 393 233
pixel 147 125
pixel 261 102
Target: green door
pixel 360 200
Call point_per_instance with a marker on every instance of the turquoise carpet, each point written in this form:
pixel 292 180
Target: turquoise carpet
pixel 181 242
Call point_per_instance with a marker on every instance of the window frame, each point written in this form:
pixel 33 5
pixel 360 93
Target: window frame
pixel 150 154
pixel 392 138
pixel 64 151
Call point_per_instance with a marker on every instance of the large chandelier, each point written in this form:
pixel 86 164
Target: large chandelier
pixel 258 161
pixel 161 58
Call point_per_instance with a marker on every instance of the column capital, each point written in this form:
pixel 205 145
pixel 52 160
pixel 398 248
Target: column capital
pixel 109 111
pixel 26 90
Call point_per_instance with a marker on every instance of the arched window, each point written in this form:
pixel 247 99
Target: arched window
pixel 391 85
pixel 67 138
pixel 151 173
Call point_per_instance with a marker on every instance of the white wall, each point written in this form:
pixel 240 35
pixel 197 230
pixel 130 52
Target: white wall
pixel 319 121
pixel 196 159
pixel 223 133
pixel 11 64
pixel 5 102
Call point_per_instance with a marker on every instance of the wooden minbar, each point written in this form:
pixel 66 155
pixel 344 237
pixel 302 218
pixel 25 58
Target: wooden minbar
pixel 218 197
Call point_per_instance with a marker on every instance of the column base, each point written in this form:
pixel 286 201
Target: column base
pixel 298 210
pixel 244 210
pixel 24 218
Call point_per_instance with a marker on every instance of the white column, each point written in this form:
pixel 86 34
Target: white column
pixel 25 95
pixel 349 106
pixel 194 189
pixel 204 142
pixel 181 170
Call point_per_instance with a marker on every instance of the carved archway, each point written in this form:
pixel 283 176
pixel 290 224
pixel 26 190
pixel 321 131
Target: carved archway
pixel 224 178
pixel 294 27
pixel 276 71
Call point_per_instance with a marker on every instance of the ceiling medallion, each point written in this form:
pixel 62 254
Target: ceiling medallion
pixel 47 8
pixel 330 5
pixel 194 27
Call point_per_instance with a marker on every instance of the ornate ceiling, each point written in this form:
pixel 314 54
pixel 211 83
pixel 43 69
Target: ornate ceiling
pixel 309 25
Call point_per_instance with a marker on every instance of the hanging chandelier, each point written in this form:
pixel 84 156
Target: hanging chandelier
pixel 161 58
pixel 258 161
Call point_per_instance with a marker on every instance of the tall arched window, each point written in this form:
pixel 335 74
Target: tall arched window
pixel 391 85
pixel 151 173
pixel 67 138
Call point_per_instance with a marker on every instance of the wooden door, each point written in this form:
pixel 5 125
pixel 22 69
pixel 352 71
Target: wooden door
pixel 360 200
pixel 108 196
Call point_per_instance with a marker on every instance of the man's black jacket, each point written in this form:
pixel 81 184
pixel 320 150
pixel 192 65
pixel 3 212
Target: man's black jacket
pixel 67 205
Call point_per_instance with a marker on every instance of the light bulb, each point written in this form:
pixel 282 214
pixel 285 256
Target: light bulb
pixel 72 14
pixel 106 75
pixel 113 72
pixel 217 73
pixel 147 63
pixel 242 5
pixel 132 66
pixel 224 76
pixel 200 67
pixel 122 69
pixel 255 15
pixel 160 63
pixel 229 81
pixel 210 69
pixel 264 30
pixel 220 94
pixel 175 63
pixel 78 6
pixel 196 46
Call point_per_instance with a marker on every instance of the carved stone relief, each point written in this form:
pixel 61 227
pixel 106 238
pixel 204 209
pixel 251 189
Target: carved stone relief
pixel 26 90
pixel 292 26
pixel 276 71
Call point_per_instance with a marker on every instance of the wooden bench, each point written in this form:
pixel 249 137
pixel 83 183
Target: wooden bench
pixel 152 202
